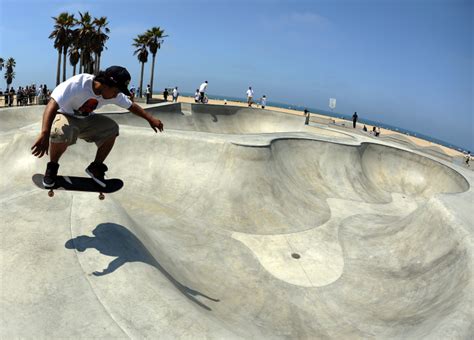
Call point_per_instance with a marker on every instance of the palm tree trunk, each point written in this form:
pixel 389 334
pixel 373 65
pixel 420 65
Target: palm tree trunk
pixel 141 80
pixel 98 63
pixel 58 70
pixel 97 60
pixel 74 70
pixel 64 62
pixel 81 62
pixel 152 73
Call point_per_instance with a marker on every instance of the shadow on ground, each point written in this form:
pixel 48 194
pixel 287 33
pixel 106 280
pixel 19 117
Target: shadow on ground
pixel 117 241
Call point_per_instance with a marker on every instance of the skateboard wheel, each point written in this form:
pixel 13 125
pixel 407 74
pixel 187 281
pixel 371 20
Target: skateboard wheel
pixel 101 196
pixel 51 193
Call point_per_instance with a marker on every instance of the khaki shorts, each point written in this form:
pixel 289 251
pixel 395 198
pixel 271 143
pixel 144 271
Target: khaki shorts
pixel 93 129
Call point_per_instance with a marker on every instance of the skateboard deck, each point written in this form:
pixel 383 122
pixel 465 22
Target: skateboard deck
pixel 73 183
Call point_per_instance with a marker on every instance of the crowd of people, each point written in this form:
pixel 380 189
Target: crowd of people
pixel 28 95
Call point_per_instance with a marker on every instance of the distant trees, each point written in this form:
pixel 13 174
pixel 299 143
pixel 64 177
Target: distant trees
pixel 154 38
pixel 148 42
pixel 84 38
pixel 140 43
pixel 9 72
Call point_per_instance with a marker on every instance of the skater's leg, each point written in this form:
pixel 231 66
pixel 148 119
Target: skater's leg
pixel 56 150
pixel 104 149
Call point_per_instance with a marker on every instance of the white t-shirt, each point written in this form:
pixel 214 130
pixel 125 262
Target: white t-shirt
pixel 175 93
pixel 249 93
pixel 76 97
pixel 264 101
pixel 203 87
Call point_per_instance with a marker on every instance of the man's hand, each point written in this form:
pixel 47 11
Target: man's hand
pixel 41 145
pixel 156 124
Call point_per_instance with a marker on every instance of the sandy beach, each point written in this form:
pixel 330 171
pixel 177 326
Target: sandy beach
pixel 348 124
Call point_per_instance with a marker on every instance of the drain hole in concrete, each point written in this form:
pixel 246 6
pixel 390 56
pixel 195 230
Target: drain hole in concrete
pixel 295 256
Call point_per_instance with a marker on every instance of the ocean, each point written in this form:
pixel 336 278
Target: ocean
pixel 341 116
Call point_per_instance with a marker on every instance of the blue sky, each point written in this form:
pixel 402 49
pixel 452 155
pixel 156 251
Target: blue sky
pixel 407 63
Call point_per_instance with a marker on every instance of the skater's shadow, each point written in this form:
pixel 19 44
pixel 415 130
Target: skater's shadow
pixel 117 241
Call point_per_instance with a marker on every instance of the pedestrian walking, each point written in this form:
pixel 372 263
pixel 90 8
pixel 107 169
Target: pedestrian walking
pixel 175 94
pixel 249 96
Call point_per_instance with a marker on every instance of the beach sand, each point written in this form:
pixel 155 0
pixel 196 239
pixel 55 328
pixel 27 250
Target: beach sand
pixel 418 142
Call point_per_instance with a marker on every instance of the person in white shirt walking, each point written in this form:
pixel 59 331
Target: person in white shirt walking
pixel 249 96
pixel 175 94
pixel 202 91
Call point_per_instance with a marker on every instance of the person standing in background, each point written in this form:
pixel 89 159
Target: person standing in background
pixel 202 91
pixel 148 93
pixel 263 101
pixel 175 94
pixel 467 158
pixel 307 115
pixel 132 93
pixel 354 119
pixel 197 96
pixel 249 96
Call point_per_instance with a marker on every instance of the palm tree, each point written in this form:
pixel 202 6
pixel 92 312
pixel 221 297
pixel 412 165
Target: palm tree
pixel 140 42
pixel 2 63
pixel 155 37
pixel 85 34
pixel 70 22
pixel 9 74
pixel 74 57
pixel 100 37
pixel 59 34
pixel 74 51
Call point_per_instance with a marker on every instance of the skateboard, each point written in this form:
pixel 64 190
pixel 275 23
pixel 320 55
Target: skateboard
pixel 72 183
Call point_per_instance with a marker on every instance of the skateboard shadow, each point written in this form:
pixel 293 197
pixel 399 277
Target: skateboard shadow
pixel 117 241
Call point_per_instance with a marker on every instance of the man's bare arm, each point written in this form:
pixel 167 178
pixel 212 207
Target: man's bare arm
pixel 48 116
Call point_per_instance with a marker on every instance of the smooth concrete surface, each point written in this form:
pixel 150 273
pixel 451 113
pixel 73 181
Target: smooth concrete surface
pixel 236 224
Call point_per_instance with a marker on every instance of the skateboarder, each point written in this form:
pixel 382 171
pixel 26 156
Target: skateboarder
pixel 70 115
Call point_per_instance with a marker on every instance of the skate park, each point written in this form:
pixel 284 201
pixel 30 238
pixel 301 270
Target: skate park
pixel 237 223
